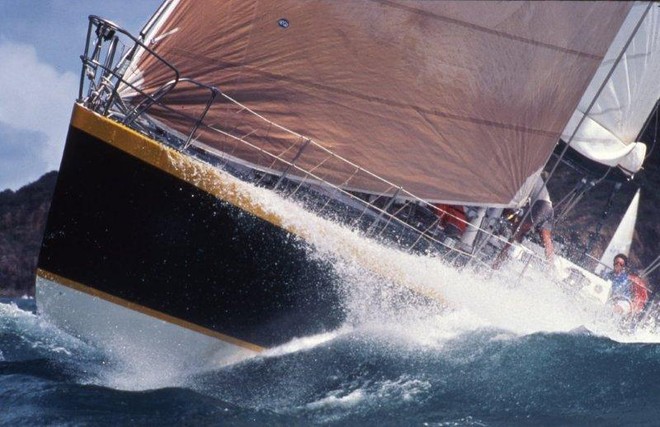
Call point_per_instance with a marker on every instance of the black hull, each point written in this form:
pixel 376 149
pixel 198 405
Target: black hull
pixel 127 226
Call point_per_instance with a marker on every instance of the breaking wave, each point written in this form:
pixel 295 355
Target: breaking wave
pixel 384 366
pixel 475 350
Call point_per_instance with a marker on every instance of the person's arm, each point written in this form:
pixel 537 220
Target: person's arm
pixel 517 237
pixel 546 237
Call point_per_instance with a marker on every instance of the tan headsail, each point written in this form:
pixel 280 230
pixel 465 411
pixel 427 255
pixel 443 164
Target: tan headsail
pixel 458 102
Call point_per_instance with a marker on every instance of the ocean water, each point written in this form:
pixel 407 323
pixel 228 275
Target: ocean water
pixel 437 368
pixel 502 350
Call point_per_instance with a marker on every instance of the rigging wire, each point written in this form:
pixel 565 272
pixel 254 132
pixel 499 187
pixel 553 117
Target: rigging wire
pixel 588 110
pixel 606 212
pixel 651 267
pixel 655 131
pixel 600 89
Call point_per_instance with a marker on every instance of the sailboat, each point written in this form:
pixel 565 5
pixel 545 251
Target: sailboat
pixel 366 114
pixel 622 239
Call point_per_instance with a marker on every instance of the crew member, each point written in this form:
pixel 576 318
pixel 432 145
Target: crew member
pixel 540 218
pixel 621 286
pixel 629 291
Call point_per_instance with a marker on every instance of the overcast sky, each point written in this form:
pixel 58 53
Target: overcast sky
pixel 40 46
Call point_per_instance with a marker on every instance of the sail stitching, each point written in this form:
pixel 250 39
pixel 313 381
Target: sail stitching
pixel 488 30
pixel 388 102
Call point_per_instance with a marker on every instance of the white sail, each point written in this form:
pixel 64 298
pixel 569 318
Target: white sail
pixel 622 239
pixel 608 133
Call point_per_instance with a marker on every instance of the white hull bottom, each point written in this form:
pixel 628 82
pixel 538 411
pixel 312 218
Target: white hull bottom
pixel 123 332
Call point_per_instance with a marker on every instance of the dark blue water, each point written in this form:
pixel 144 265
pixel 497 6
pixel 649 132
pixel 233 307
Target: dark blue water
pixel 357 376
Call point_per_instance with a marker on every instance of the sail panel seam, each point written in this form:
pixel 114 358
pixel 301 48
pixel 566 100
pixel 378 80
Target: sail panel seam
pixel 389 103
pixel 488 30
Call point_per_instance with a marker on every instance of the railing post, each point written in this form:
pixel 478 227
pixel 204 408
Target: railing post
pixel 304 145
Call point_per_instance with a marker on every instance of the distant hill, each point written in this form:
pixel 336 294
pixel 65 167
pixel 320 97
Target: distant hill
pixel 22 222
